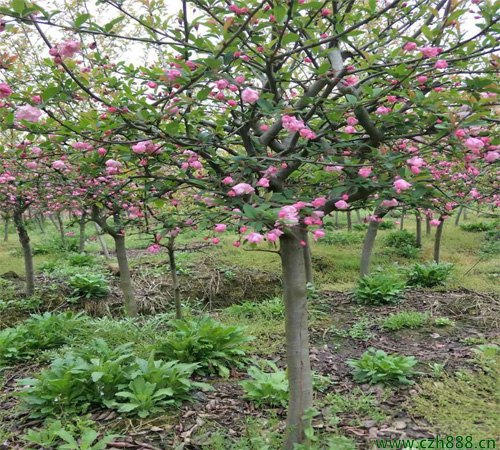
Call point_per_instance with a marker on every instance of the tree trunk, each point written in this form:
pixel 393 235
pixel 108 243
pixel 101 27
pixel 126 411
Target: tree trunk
pixel 402 223
pixel 308 260
pixel 40 224
pixel 427 225
pixel 336 219
pixel 465 213
pixel 6 230
pixel 125 278
pixel 358 216
pixel 81 246
pixel 51 217
pixel 419 230
pixel 61 229
pixel 349 221
pixel 367 252
pixel 459 214
pixel 437 240
pixel 102 241
pixel 175 280
pixel 24 240
pixel 297 337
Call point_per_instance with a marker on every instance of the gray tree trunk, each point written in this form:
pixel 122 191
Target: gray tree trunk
pixel 308 260
pixel 349 221
pixel 336 219
pixel 419 230
pixel 465 213
pixel 427 225
pixel 40 223
pixel 175 280
pixel 61 229
pixel 6 230
pixel 297 337
pixel 459 214
pixel 24 240
pixel 366 254
pixel 104 247
pixel 437 240
pixel 358 216
pixel 402 223
pixel 81 246
pixel 125 278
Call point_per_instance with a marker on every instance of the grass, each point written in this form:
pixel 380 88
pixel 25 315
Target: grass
pixel 405 319
pixel 337 265
pixel 462 404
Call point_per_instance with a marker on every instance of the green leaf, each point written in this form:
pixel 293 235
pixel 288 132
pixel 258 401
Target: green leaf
pixel 81 19
pixel 18 6
pixel 109 26
pixel 289 38
pixel 352 99
pixel 50 92
pixel 279 13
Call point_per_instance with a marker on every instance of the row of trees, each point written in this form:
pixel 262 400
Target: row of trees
pixel 261 118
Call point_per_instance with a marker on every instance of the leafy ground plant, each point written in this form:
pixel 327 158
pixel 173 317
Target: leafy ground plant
pixel 359 330
pixel 379 289
pixel 111 377
pixel 266 388
pixel 405 319
pixel 403 243
pixel 214 346
pixel 40 332
pixel 378 367
pixel 430 274
pixel 89 285
pixel 443 322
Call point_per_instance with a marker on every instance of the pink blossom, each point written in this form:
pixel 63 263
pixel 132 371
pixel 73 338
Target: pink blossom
pixel 28 113
pixel 291 123
pixel 31 165
pixel 415 161
pixel 152 84
pixel 409 46
pixel 5 91
pixel 430 52
pixel 172 74
pixel 240 79
pixel 220 227
pixel 351 121
pixel 401 185
pixel 434 223
pixel 326 12
pixel 222 84
pixel 215 241
pixel 274 235
pixel 341 204
pixel 249 95
pixel 474 144
pixel 58 164
pixel 460 133
pixel 441 64
pixel 491 156
pixel 243 188
pixel 334 168
pixel 392 99
pixel 422 79
pixel 383 110
pixel 349 129
pixel 227 180
pixel 373 218
pixel 289 214
pixel 365 172
pixel 154 249
pixel 254 238
pixel 318 202
pixel 307 133
pixel 319 233
pixel 69 48
pixel 263 182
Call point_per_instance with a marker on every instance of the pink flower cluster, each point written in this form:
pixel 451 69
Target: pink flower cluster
pixel 5 90
pixel 293 124
pixel 28 113
pixel 66 49
pixel 146 147
pixel 193 161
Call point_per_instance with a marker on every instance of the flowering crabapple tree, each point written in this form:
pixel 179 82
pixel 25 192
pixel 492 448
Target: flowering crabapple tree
pixel 276 112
